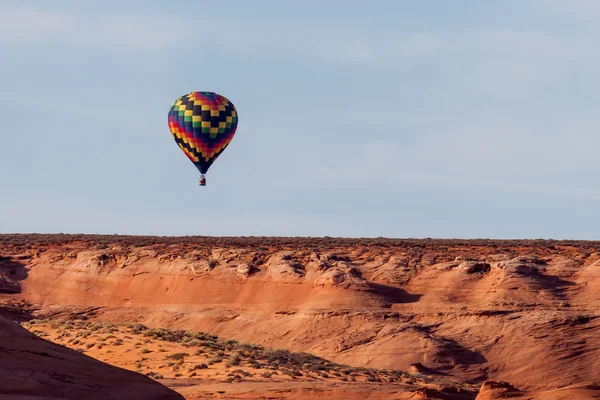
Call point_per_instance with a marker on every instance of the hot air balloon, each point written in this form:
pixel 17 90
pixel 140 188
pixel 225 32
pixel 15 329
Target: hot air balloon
pixel 202 124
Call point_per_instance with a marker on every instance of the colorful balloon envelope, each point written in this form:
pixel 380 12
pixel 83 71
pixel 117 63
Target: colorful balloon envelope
pixel 203 124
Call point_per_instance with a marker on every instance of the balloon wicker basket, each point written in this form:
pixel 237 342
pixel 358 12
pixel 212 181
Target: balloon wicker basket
pixel 202 181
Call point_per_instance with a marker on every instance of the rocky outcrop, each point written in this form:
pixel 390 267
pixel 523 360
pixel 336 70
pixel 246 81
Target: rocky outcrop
pixel 282 268
pixel 492 390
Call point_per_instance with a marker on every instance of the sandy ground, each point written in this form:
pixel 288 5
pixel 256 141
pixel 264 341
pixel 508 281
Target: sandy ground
pixel 200 365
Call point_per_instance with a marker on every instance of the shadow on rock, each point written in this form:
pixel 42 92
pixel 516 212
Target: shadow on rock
pixel 17 311
pixel 34 368
pixel 459 353
pixel 11 274
pixel 392 294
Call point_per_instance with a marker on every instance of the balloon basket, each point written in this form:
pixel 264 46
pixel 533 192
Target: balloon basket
pixel 203 181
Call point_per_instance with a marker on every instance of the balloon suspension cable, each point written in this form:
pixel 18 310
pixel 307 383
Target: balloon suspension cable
pixel 202 180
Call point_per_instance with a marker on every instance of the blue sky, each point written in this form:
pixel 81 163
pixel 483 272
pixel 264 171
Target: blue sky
pixel 395 118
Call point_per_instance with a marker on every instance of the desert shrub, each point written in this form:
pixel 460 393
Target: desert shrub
pixel 199 366
pixel 235 378
pixel 293 373
pixel 83 334
pixel 230 344
pixel 234 361
pixel 95 327
pixel 177 356
pixel 137 328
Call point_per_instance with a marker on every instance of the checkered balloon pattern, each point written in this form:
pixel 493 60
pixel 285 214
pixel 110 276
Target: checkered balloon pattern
pixel 202 124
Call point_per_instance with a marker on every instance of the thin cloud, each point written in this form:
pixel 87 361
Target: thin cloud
pixel 148 33
pixel 26 24
pixel 574 10
pixel 23 26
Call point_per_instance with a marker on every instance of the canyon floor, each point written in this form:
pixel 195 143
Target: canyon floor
pixel 297 318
